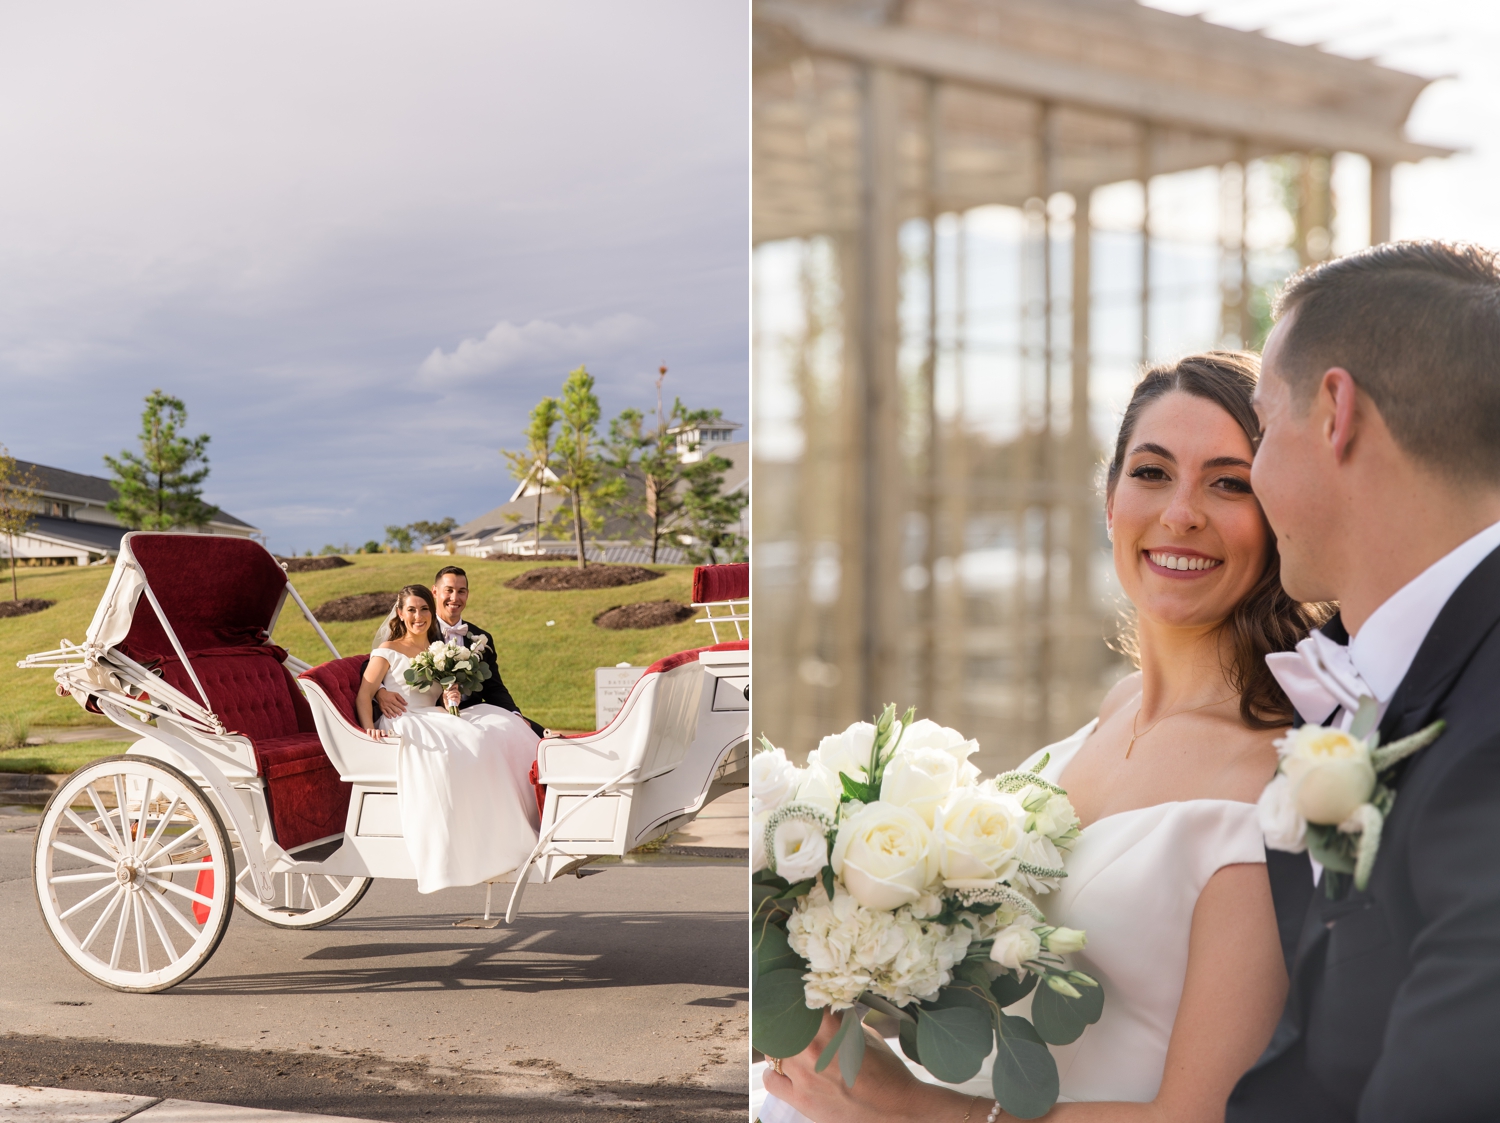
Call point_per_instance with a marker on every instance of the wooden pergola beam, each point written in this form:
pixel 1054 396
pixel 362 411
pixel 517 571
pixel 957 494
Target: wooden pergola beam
pixel 989 66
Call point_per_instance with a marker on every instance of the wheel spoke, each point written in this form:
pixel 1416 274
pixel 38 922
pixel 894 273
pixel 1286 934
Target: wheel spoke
pixel 139 838
pixel 114 902
pixel 92 835
pixel 140 933
pixel 114 835
pixel 338 890
pixel 165 851
pixel 172 886
pixel 161 931
pixel 87 901
pixel 114 955
pixel 155 839
pixel 102 875
pixel 84 854
pixel 187 925
pixel 122 805
pixel 310 893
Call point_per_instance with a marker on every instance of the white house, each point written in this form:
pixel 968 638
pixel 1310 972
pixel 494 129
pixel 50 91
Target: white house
pixel 73 524
pixel 694 442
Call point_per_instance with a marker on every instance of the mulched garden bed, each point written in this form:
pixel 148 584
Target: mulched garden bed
pixel 647 614
pixel 24 607
pixel 361 606
pixel 307 565
pixel 558 578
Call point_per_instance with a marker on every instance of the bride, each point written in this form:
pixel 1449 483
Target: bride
pixel 1168 877
pixel 468 813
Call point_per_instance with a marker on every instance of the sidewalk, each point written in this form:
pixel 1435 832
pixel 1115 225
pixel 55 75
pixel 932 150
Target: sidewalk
pixel 721 830
pixel 67 1105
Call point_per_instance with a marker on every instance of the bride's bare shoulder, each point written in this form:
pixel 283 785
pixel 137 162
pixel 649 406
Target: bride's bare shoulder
pixel 1119 695
pixel 1249 760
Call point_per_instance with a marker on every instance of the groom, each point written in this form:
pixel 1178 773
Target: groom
pixel 450 588
pixel 1380 473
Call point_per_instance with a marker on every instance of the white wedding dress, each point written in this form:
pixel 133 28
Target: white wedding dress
pixel 1133 881
pixel 468 810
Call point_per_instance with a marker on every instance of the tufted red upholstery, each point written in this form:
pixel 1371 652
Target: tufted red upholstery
pixel 254 695
pixel 692 656
pixel 339 679
pixel 714 583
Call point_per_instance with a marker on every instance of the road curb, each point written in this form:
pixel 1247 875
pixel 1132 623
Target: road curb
pixel 28 787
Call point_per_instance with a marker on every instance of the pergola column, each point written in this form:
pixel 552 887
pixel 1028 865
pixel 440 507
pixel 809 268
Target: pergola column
pixel 1380 201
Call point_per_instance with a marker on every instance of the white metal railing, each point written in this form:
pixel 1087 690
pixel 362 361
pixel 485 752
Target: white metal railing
pixel 734 612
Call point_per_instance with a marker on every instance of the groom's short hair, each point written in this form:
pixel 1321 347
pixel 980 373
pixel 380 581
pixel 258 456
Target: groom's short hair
pixel 1417 324
pixel 447 569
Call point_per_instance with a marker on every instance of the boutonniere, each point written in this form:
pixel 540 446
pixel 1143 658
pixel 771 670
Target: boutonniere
pixel 1329 795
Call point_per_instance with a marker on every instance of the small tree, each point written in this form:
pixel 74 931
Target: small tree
pixel 400 538
pixel 425 532
pixel 708 513
pixel 159 489
pixel 18 503
pixel 531 464
pixel 581 469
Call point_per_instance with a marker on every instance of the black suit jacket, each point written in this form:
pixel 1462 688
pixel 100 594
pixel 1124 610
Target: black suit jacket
pixel 1394 1009
pixel 493 692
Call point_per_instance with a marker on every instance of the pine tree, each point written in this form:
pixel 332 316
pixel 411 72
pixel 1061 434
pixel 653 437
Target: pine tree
pixel 532 463
pixel 708 513
pixel 18 503
pixel 581 471
pixel 159 489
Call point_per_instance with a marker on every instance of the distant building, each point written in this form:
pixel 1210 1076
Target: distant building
pixel 694 442
pixel 74 526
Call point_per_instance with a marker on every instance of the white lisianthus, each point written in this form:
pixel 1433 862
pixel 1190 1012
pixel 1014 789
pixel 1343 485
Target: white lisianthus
pixel 758 860
pixel 820 787
pixel 1041 865
pixel 978 835
pixel 927 734
pixel 885 856
pixel 1064 941
pixel 1330 771
pixel 1280 821
pixel 799 849
pixel 847 752
pixel 1016 944
pixel 773 780
pixel 919 778
pixel 1050 814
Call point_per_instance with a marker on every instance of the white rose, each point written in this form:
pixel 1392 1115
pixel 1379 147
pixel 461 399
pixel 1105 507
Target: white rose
pixel 1065 941
pixel 919 778
pixel 820 787
pixel 1280 821
pixel 440 662
pixel 758 841
pixel 799 849
pixel 977 834
pixel 884 854
pixel 847 752
pixel 773 780
pixel 1038 851
pixel 1017 944
pixel 928 734
pixel 1330 772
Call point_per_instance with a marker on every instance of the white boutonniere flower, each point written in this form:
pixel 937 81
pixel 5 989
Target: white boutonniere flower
pixel 1328 795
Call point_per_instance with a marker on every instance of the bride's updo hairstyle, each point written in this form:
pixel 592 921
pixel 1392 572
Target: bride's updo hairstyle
pixel 398 625
pixel 1266 620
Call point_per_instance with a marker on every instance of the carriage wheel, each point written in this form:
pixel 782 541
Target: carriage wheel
pixel 127 865
pixel 303 900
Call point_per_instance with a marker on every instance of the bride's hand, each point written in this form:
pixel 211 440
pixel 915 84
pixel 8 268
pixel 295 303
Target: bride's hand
pixel 453 696
pixel 885 1089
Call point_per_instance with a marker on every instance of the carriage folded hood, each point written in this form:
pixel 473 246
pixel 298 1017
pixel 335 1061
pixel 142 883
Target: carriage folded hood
pixel 216 592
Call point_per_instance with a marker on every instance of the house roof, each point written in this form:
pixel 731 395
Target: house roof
pixel 75 487
pixel 98 537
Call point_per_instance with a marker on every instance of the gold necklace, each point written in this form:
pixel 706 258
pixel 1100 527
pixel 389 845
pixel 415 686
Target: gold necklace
pixel 1134 736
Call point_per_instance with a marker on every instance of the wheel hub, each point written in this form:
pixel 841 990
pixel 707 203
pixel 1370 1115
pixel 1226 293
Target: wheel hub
pixel 130 874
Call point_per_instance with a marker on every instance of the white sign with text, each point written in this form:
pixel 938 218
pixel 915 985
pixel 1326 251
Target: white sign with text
pixel 611 688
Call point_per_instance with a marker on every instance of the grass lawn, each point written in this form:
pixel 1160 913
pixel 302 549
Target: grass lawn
pixel 59 759
pixel 548 668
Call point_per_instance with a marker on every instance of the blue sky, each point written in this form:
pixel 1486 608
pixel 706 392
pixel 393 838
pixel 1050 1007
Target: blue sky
pixel 362 239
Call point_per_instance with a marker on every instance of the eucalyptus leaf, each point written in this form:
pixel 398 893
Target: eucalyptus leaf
pixel 908 1038
pixel 773 952
pixel 886 1007
pixel 953 996
pixel 852 1051
pixel 1365 718
pixel 828 881
pixel 831 1050
pixel 1060 1020
pixel 1326 845
pixel 1008 990
pixel 954 1042
pixel 1025 1075
pixel 781 1024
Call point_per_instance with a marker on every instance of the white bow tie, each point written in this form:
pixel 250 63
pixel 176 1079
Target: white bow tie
pixel 1319 677
pixel 454 631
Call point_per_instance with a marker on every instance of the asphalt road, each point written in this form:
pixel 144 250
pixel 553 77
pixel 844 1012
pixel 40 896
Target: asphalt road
pixel 621 993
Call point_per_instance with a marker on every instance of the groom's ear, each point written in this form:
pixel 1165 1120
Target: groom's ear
pixel 1340 396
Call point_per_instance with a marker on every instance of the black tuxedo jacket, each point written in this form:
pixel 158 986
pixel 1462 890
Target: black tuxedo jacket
pixel 1394 1009
pixel 493 691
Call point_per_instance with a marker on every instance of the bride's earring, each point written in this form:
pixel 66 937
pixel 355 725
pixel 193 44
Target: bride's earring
pixel 1109 532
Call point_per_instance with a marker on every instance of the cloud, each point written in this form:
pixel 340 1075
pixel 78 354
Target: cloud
pixel 507 344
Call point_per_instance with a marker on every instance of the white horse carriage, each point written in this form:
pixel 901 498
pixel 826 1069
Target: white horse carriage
pixel 253 783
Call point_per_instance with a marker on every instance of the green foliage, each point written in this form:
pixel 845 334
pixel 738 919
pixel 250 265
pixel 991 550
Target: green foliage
pixel 159 489
pixel 1025 1075
pixel 781 1024
pixel 1060 1019
pixel 18 503
pixel 413 536
pixel 708 513
pixel 532 464
pixel 370 547
pixel 399 538
pixel 953 1042
pixel 580 468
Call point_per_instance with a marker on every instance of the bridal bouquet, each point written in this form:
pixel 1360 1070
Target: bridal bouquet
pixel 888 876
pixel 448 664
